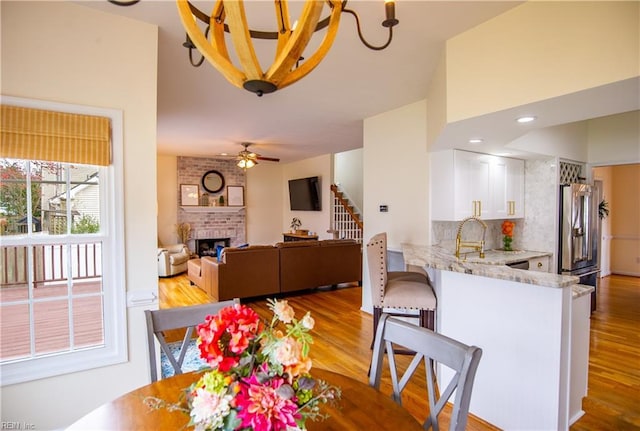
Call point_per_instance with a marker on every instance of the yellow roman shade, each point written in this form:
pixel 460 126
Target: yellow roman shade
pixel 35 134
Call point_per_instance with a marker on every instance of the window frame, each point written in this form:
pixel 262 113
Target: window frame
pixel 114 350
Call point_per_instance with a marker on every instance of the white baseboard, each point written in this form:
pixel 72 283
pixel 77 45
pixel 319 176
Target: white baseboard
pixel 630 274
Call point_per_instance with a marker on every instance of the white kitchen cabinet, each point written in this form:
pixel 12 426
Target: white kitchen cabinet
pixel 540 264
pixel 514 188
pixel 467 184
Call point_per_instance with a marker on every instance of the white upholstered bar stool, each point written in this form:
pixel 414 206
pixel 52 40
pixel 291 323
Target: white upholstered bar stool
pixel 406 290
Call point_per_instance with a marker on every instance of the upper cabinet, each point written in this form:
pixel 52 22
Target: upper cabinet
pixel 467 184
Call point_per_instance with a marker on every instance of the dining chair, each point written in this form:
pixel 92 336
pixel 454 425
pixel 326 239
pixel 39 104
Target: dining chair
pixel 159 321
pixel 404 290
pixel 433 348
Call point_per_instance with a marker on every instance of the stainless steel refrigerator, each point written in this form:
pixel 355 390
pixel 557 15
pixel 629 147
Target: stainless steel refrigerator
pixel 579 234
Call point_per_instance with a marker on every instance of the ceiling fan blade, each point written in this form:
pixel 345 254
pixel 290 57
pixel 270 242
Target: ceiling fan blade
pixel 268 159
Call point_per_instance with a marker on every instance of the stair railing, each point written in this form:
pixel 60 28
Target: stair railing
pixel 346 222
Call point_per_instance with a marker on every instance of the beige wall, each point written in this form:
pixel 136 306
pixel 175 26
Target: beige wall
pixel 43 57
pixel 625 219
pixel 538 51
pixel 265 203
pixel 348 175
pixel 167 179
pixel 315 221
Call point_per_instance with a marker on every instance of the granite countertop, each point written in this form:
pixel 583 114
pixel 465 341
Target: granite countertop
pixel 492 267
pixel 501 257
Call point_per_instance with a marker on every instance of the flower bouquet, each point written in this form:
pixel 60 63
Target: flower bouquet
pixel 259 376
pixel 507 231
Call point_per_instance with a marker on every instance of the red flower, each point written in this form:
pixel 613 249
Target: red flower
pixel 224 337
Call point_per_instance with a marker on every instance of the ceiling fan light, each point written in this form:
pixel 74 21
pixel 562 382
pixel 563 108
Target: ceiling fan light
pixel 246 163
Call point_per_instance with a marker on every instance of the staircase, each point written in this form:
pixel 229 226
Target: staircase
pixel 346 221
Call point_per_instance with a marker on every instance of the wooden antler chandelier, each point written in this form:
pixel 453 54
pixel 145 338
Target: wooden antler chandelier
pixel 288 66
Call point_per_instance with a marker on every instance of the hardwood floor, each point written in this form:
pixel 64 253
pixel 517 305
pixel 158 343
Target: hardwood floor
pixel 342 338
pixel 613 398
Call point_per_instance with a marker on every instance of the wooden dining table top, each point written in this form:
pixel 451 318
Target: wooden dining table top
pixel 360 408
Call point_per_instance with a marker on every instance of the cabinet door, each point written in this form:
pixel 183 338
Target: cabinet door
pixel 465 184
pixel 499 188
pixel 514 188
pixel 472 184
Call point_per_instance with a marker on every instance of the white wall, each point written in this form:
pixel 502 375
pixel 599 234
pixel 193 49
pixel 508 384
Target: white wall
pixel 568 141
pixel 72 54
pixel 396 174
pixel 614 139
pixel 604 174
pixel 347 175
pixel 314 221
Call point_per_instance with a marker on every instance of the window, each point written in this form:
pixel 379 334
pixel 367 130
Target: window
pixel 62 288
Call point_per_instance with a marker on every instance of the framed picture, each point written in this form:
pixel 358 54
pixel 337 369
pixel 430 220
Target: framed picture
pixel 235 196
pixel 189 195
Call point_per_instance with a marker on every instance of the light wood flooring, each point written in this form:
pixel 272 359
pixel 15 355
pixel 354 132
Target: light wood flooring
pixel 343 336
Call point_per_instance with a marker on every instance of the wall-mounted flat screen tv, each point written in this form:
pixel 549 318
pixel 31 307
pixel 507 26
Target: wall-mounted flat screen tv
pixel 304 194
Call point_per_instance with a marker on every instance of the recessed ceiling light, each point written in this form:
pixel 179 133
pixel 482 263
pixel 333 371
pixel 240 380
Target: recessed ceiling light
pixel 475 141
pixel 526 119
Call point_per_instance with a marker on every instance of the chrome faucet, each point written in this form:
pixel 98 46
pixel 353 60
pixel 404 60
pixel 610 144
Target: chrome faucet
pixel 476 245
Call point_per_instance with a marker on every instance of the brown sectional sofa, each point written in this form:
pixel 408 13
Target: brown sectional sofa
pixel 263 270
pixel 309 264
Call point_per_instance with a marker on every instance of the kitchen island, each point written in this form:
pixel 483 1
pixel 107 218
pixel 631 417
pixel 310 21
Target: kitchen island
pixel 533 328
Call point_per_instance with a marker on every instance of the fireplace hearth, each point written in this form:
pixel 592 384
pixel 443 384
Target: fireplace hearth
pixel 209 246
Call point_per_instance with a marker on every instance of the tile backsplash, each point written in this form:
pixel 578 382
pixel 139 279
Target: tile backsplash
pixel 444 233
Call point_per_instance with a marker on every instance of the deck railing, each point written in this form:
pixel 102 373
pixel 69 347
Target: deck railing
pixel 50 263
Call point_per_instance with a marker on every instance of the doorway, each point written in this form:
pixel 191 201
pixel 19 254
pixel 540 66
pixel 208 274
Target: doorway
pixel 619 230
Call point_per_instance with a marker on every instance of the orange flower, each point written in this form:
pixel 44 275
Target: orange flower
pixel 507 227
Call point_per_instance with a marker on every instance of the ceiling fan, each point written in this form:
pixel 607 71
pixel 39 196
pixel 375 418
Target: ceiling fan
pixel 248 159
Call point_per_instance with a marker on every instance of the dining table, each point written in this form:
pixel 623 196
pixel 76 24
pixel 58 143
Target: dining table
pixel 360 407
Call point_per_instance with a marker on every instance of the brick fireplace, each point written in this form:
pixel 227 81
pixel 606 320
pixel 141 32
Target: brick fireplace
pixel 209 246
pixel 211 224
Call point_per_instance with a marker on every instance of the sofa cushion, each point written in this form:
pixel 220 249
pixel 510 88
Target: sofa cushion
pixel 332 242
pixel 178 258
pixel 194 267
pixel 292 244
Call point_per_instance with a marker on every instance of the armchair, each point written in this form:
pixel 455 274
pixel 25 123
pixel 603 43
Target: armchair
pixel 172 260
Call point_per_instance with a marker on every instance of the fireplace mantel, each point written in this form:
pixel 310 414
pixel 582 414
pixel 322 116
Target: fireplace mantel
pixel 205 209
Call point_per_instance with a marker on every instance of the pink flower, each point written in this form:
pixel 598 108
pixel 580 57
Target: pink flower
pixel 289 354
pixel 289 351
pixel 283 311
pixel 307 321
pixel 209 408
pixel 262 408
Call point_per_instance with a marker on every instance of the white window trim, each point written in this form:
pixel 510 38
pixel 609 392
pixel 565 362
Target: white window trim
pixel 114 350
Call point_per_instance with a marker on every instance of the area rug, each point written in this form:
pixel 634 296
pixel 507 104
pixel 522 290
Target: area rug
pixel 192 360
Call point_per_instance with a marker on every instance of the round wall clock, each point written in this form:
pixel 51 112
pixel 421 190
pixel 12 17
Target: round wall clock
pixel 212 181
